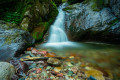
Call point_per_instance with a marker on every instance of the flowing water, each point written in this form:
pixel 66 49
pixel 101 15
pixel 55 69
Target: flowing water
pixel 57 32
pixel 105 56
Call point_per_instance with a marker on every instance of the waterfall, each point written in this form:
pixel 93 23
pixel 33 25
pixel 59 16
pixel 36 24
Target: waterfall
pixel 57 36
pixel 57 30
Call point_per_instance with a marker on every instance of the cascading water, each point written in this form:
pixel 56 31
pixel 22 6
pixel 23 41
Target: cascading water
pixel 57 36
pixel 57 31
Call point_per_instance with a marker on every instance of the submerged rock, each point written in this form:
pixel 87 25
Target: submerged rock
pixel 7 71
pixel 98 75
pixel 54 61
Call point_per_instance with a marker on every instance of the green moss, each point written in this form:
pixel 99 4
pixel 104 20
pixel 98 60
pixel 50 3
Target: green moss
pixel 37 35
pixel 69 8
pixel 94 7
pixel 11 38
pixel 97 5
pixel 64 1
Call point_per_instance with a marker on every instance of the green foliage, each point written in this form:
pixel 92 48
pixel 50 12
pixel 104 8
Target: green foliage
pixel 12 17
pixel 14 11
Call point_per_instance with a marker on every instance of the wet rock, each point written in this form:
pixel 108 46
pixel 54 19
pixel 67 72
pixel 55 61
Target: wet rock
pixel 74 69
pixel 71 57
pixel 57 69
pixel 50 55
pixel 29 53
pixel 29 49
pixel 28 58
pixel 59 75
pixel 48 79
pixel 20 66
pixel 95 73
pixel 69 64
pixel 35 51
pixel 48 68
pixel 91 78
pixel 7 71
pixel 70 73
pixel 44 73
pixel 38 70
pixel 33 66
pixel 44 52
pixel 54 61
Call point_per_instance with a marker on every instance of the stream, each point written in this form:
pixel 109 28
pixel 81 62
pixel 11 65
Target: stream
pixel 101 55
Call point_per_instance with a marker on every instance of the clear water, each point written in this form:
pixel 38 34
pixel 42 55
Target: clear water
pixel 104 56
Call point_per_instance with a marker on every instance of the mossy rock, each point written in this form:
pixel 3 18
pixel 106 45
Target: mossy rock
pixel 37 33
pixel 97 5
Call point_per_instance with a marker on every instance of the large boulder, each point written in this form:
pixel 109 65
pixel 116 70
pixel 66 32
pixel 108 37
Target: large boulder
pixel 13 40
pixel 7 71
pixel 83 23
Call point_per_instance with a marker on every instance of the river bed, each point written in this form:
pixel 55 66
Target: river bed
pixel 104 56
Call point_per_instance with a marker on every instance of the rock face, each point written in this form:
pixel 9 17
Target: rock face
pixel 82 23
pixel 13 40
pixel 6 71
pixel 115 6
pixel 39 17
